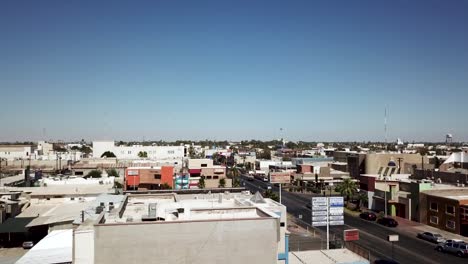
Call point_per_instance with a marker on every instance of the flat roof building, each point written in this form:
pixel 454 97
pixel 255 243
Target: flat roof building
pixel 192 228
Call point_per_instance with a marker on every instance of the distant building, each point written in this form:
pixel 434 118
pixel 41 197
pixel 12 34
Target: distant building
pixel 204 168
pixel 15 152
pixel 148 178
pixel 132 152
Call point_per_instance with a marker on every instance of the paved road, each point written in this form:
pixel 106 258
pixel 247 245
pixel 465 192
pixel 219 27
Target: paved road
pixel 372 236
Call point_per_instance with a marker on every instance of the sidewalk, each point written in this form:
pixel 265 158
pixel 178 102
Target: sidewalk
pixel 414 228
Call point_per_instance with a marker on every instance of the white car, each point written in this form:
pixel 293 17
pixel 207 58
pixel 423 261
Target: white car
pixel 431 237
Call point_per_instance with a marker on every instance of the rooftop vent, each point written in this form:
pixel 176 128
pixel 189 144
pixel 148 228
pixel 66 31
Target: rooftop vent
pixel 99 209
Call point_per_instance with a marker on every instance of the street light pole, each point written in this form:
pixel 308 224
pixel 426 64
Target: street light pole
pixel 385 195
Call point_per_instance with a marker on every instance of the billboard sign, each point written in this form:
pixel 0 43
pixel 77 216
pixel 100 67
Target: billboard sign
pixel 327 209
pixel 280 177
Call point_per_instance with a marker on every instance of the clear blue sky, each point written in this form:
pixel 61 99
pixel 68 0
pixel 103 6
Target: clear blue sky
pixel 322 70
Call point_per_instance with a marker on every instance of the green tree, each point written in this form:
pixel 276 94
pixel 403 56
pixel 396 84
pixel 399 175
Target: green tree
pixel 142 154
pixel 117 185
pixel 363 200
pixel 222 183
pixel 347 188
pixel 165 186
pixel 94 174
pixel 201 183
pixel 113 172
pixel 108 154
pixel 272 195
pixel 436 162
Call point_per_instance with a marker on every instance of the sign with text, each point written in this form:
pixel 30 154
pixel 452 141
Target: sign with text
pixel 280 177
pixel 327 210
pixel 351 235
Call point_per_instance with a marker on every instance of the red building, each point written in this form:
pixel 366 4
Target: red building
pixel 148 178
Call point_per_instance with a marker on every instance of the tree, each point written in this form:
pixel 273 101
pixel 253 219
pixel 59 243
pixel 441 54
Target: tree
pixel 142 154
pixel 222 183
pixel 108 154
pixel 113 172
pixel 165 186
pixel 201 183
pixel 436 162
pixel 363 199
pixel 94 174
pixel 347 188
pixel 272 195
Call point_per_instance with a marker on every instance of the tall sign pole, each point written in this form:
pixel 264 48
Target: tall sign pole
pixel 328 224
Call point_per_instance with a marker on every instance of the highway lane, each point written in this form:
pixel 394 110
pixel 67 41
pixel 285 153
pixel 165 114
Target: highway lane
pixel 372 236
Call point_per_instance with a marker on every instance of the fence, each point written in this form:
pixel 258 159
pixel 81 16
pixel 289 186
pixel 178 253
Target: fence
pixel 336 241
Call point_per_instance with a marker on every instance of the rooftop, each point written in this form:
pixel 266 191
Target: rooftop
pixel 193 207
pixel 458 194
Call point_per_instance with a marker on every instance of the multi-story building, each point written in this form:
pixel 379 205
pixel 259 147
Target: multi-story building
pixel 173 228
pixel 134 152
pixel 212 174
pixel 445 209
pixel 148 178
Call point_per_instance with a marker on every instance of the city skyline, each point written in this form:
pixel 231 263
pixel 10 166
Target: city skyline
pixel 323 71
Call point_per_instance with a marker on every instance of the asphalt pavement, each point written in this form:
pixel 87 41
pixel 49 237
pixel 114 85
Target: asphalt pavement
pixel 373 236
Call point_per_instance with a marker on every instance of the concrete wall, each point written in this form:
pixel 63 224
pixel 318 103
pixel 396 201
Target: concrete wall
pixel 188 242
pixel 83 246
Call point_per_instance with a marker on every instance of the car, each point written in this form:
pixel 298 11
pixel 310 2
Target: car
pixel 368 216
pixel 431 237
pixel 459 249
pixel 454 241
pixel 387 221
pixel 28 244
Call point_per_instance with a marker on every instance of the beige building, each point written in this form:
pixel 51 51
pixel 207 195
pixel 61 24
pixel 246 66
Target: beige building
pixel 171 228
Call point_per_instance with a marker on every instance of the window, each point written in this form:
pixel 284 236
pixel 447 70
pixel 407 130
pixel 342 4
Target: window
pixel 434 220
pixel 215 177
pixel 129 152
pixel 208 177
pixel 450 209
pixel 204 165
pixel 170 152
pixel 434 207
pixel 157 176
pixel 450 224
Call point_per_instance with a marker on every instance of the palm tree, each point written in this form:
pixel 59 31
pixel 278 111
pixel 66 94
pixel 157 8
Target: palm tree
pixel 108 154
pixel 363 199
pixel 222 183
pixel 201 183
pixel 347 188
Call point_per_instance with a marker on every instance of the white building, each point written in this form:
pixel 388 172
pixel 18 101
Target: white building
pixel 131 152
pixel 172 228
pixel 14 152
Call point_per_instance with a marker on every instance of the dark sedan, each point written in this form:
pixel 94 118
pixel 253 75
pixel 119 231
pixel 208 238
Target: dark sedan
pixel 368 216
pixel 387 221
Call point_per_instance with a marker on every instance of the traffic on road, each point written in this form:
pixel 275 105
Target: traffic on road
pixel 373 234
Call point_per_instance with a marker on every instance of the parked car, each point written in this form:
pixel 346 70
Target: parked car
pixel 454 241
pixel 387 221
pixel 368 216
pixel 459 249
pixel 431 237
pixel 28 244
